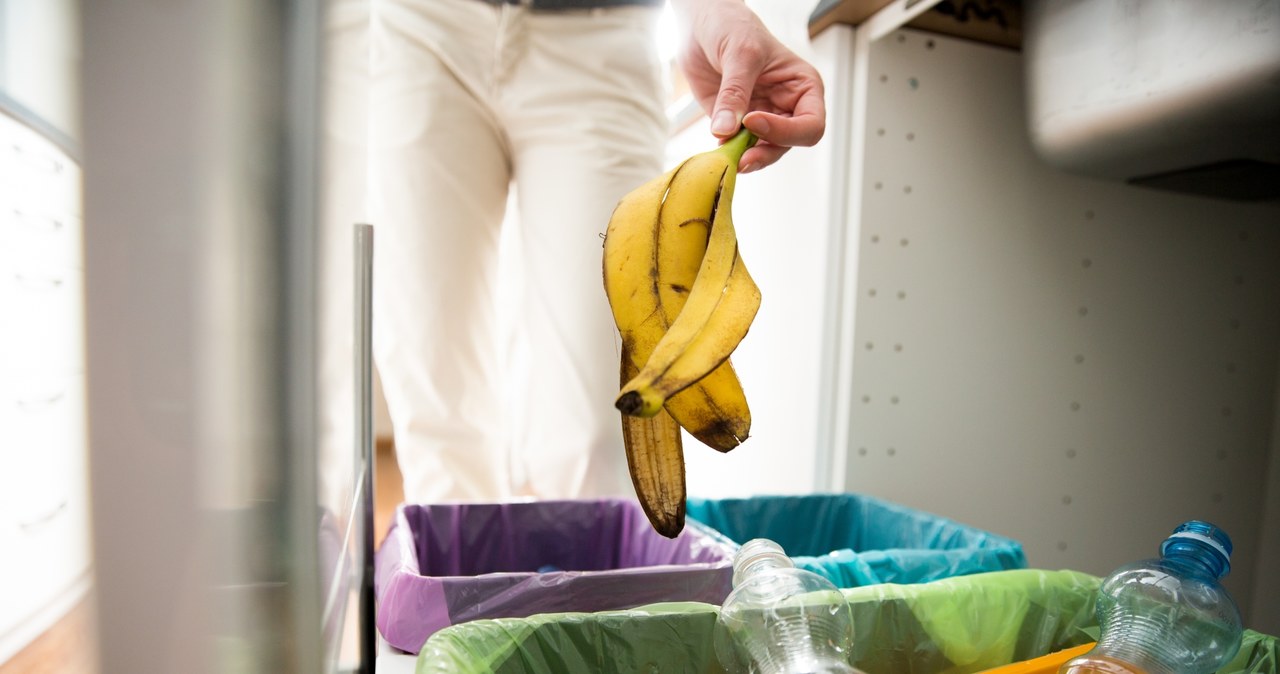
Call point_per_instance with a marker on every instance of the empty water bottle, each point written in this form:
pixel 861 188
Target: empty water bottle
pixel 780 619
pixel 1169 615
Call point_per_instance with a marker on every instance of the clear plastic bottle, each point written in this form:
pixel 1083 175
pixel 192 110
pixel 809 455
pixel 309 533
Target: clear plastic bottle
pixel 1169 615
pixel 780 619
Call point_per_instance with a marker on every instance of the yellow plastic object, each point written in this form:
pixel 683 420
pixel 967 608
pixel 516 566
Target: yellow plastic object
pixel 1045 664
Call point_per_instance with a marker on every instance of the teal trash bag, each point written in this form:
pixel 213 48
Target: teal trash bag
pixel 856 540
pixel 963 624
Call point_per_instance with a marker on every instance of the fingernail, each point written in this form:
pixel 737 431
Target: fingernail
pixel 724 123
pixel 760 126
pixel 754 166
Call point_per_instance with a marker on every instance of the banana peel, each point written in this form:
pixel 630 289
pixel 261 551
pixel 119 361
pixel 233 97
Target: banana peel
pixel 655 459
pixel 682 300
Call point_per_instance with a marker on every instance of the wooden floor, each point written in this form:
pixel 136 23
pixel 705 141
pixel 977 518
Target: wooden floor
pixel 388 490
pixel 68 646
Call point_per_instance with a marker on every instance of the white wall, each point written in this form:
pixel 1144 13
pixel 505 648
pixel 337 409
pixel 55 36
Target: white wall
pixel 1266 586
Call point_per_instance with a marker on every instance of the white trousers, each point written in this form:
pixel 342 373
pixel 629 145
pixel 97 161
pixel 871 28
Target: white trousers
pixel 466 99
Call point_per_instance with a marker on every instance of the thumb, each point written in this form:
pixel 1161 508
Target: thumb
pixel 741 69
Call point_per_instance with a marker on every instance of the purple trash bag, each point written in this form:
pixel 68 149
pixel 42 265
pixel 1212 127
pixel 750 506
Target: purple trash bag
pixel 442 565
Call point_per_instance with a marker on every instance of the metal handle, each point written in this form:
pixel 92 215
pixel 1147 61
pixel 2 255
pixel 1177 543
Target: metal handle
pixel 37 221
pixel 41 402
pixel 38 160
pixel 38 283
pixel 364 424
pixel 31 526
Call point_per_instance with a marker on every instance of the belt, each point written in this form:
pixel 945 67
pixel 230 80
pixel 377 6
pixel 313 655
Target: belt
pixel 554 5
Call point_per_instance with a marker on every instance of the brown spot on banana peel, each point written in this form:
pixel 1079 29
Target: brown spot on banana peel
pixel 724 433
pixel 699 221
pixel 720 436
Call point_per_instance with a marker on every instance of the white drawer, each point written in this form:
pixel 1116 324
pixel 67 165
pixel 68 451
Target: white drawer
pixel 42 440
pixel 44 530
pixel 41 320
pixel 36 169
pixel 39 568
pixel 34 235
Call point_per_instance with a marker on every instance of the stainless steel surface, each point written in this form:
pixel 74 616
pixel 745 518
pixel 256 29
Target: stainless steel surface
pixel 364 413
pixel 200 263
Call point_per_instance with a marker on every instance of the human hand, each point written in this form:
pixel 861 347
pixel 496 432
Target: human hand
pixel 742 75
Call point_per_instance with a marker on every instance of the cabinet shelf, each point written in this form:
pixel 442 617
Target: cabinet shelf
pixel 995 22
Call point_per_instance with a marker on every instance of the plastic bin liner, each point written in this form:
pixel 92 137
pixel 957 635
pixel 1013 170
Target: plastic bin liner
pixel 445 564
pixel 856 540
pixel 955 625
pixel 1259 654
pixel 960 624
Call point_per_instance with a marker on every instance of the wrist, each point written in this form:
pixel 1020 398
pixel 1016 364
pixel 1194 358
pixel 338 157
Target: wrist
pixel 689 8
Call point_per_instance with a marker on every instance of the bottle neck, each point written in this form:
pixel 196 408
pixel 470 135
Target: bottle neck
pixel 758 565
pixel 756 557
pixel 1191 562
pixel 1203 551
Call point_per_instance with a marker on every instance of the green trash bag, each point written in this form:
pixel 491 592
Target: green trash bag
pixel 1259 654
pixel 955 625
pixel 961 624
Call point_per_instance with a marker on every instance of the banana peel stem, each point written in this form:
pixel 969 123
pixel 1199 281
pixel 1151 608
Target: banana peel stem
pixel 736 146
pixel 630 403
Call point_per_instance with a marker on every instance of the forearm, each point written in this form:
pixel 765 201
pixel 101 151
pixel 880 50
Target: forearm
pixel 686 7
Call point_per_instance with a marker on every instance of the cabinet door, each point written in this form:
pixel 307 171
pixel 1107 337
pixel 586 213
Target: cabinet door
pixel 43 494
pixel 44 553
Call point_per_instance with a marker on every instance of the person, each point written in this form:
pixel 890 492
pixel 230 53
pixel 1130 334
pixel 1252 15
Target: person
pixel 449 103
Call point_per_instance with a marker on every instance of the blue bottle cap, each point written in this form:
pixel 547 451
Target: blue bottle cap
pixel 1204 540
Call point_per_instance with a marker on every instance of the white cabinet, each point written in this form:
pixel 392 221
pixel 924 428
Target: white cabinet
pixel 44 555
pixel 1084 364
